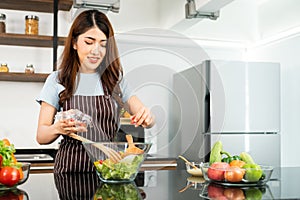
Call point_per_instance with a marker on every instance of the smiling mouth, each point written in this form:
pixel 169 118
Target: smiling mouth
pixel 94 59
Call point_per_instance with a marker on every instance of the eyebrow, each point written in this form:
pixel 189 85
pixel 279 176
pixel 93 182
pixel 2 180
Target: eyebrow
pixel 91 38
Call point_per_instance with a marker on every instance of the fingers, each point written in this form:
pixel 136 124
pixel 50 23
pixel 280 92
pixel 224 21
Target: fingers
pixel 142 118
pixel 67 127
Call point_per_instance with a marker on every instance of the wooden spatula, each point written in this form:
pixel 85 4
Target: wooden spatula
pixel 132 149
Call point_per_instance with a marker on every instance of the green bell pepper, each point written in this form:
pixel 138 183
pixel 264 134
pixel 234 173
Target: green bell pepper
pixel 253 172
pixel 229 158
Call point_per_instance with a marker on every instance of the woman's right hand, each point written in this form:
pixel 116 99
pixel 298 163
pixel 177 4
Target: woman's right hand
pixel 67 126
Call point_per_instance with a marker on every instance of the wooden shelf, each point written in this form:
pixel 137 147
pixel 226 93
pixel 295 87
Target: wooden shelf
pixel 29 40
pixel 47 6
pixel 35 5
pixel 22 77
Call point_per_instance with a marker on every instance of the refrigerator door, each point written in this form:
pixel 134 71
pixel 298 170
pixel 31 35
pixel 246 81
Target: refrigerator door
pixel 264 148
pixel 250 100
pixel 251 112
pixel 189 116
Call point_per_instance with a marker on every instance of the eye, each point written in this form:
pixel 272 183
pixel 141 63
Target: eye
pixel 88 42
pixel 103 44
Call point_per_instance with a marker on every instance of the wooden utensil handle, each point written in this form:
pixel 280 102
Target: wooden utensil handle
pixel 77 137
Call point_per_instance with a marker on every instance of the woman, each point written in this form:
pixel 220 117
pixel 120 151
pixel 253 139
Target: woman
pixel 89 79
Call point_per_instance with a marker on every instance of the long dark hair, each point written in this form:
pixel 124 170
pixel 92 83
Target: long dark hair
pixel 110 70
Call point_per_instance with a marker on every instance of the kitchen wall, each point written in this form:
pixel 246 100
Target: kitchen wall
pixel 150 57
pixel 285 52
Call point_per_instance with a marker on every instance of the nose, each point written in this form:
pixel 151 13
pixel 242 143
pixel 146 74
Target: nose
pixel 96 49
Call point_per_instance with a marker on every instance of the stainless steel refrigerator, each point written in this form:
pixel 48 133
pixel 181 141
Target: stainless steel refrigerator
pixel 233 101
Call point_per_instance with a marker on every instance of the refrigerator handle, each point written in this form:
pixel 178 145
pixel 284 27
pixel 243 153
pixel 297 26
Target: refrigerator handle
pixel 207 112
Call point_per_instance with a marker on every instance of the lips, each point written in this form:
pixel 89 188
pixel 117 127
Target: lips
pixel 93 59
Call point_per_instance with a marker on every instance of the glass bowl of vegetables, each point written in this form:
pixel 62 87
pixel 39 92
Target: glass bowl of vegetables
pixel 124 169
pixel 12 176
pixel 248 175
pixel 120 191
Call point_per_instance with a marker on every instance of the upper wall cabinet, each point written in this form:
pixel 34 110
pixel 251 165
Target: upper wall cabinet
pixel 36 5
pixel 49 6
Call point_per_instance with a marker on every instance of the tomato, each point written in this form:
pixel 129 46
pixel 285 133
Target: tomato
pixel 234 174
pixel 237 163
pixel 9 176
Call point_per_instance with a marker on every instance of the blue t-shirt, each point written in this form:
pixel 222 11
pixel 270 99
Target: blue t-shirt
pixel 87 85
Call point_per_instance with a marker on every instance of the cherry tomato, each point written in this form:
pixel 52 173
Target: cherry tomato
pixel 132 120
pixel 9 176
pixel 234 174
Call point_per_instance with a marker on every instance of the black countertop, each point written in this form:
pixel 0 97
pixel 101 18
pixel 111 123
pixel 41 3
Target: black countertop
pixel 154 184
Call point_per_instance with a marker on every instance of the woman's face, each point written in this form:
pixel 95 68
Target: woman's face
pixel 91 49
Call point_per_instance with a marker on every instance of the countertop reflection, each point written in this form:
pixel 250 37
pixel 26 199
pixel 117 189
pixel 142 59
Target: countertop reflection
pixel 155 184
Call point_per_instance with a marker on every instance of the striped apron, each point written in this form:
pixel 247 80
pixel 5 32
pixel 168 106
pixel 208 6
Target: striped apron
pixel 71 156
pixel 79 186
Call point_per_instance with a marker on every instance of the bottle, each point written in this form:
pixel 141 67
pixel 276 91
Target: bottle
pixel 31 25
pixel 2 23
pixel 29 69
pixel 4 68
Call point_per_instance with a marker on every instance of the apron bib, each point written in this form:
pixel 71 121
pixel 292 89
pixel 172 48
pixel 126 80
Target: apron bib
pixel 71 156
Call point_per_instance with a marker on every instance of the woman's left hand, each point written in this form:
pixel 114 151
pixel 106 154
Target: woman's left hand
pixel 141 115
pixel 143 118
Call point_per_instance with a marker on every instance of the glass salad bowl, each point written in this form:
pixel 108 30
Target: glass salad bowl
pixel 123 170
pixel 121 191
pixel 221 173
pixel 25 170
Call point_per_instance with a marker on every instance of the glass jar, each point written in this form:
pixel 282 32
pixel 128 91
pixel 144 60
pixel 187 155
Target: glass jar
pixel 31 25
pixel 4 68
pixel 2 23
pixel 29 69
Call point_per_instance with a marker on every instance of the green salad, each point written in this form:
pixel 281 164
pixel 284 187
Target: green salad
pixel 118 192
pixel 121 170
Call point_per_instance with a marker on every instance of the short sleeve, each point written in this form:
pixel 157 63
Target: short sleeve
pixel 50 91
pixel 127 91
